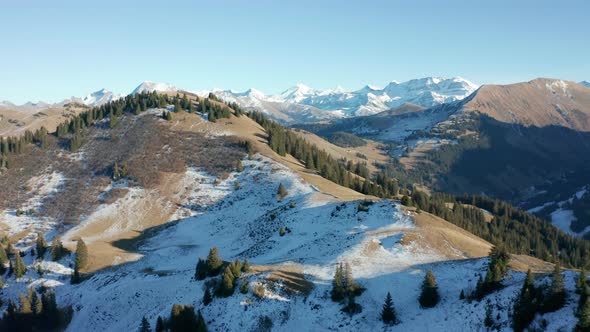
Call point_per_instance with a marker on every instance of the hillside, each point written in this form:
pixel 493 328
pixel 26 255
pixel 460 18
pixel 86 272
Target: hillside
pixel 150 191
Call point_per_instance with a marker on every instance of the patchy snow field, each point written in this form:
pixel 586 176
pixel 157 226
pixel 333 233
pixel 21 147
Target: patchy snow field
pixel 243 223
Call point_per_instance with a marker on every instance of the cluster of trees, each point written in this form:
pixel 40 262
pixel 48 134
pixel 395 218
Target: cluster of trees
pixel 35 312
pixel 345 288
pixel 539 299
pixel 217 109
pixel 512 229
pixel 15 145
pixel 346 173
pixel 213 266
pixel 497 269
pixel 182 318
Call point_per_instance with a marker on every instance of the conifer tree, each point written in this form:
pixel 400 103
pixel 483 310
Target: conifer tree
pixel 41 245
pixel 282 231
pixel 24 304
pixel 160 324
pixel 207 297
pixel 81 255
pixel 145 325
pixel 581 282
pixel 388 315
pixel 57 249
pixel 1 282
pixel 236 268
pixel 227 282
pixel 429 296
pixel 282 191
pixel 36 304
pixel 338 290
pixel 488 320
pixel 201 325
pixel 246 266
pixel 584 317
pixel 201 270
pixel 183 318
pixel 239 167
pixel 3 259
pixel 244 286
pixel 556 298
pixel 213 262
pixel 19 266
pixel 462 295
pixel 525 305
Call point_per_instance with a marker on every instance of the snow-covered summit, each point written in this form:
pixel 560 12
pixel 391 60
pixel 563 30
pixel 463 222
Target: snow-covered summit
pixel 100 97
pixel 149 86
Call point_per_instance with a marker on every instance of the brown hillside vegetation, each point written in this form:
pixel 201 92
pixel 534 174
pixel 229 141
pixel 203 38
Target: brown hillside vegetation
pixel 14 121
pixel 540 102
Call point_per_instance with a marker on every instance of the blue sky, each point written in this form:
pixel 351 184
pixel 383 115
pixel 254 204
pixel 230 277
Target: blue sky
pixel 56 49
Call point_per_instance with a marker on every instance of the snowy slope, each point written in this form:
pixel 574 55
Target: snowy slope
pixel 100 97
pixel 149 86
pixel 585 83
pixel 244 223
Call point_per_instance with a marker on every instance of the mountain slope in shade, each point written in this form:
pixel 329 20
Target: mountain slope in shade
pixel 540 102
pixel 585 83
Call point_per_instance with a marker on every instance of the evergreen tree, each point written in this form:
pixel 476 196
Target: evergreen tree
pixel 556 297
pixel 246 266
pixel 201 270
pixel 145 325
pixel 388 315
pixel 227 282
pixel 584 317
pixel 19 266
pixel 57 249
pixel 36 304
pixel 525 305
pixel 24 304
pixel 41 245
pixel 183 318
pixel 429 296
pixel 244 286
pixel 1 282
pixel 3 260
pixel 488 320
pixel 207 297
pixel 239 166
pixel 160 324
pixel 81 255
pixel 282 231
pixel 338 290
pixel 282 191
pixel 213 262
pixel 462 295
pixel 581 282
pixel 201 325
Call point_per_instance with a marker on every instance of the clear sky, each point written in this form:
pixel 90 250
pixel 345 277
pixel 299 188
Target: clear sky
pixel 56 49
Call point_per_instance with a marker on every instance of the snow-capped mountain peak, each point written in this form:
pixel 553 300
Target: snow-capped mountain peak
pixel 100 97
pixel 149 86
pixel 295 94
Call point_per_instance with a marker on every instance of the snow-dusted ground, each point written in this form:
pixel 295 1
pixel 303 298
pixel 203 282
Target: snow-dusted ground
pixel 40 187
pixel 561 216
pixel 244 223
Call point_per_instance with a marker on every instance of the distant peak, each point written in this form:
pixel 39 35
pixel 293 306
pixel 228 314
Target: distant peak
pixel 149 86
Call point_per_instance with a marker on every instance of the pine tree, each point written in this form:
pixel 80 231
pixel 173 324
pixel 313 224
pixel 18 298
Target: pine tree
pixel 3 260
pixel 81 255
pixel 556 298
pixel 525 305
pixel 581 282
pixel 239 167
pixel 1 282
pixel 213 262
pixel 488 321
pixel 227 282
pixel 160 324
pixel 584 320
pixel 24 304
pixel 41 245
pixel 57 249
pixel 201 325
pixel 338 290
pixel 388 315
pixel 244 286
pixel 145 325
pixel 36 304
pixel 429 296
pixel 246 266
pixel 183 318
pixel 207 297
pixel 282 231
pixel 19 266
pixel 462 295
pixel 282 191
pixel 201 270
